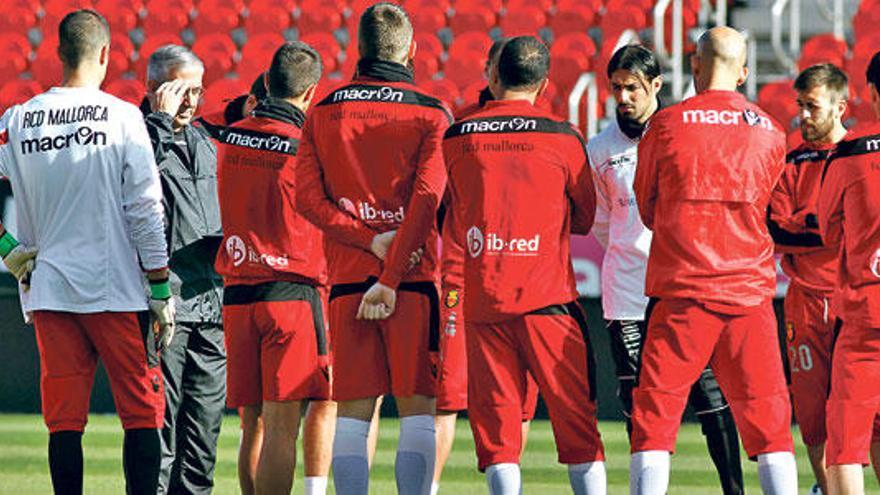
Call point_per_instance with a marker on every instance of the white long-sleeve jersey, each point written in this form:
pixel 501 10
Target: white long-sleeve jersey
pixel 87 196
pixel 618 226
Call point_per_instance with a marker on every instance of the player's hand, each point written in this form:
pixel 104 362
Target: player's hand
pixel 20 262
pixel 162 312
pixel 169 97
pixel 382 243
pixel 378 303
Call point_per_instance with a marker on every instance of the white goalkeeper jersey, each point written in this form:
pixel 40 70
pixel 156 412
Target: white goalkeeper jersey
pixel 87 196
pixel 618 226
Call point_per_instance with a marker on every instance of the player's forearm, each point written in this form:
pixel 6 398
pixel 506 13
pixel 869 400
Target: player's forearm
pixel 410 237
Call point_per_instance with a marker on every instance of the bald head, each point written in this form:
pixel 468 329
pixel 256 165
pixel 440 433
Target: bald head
pixel 719 62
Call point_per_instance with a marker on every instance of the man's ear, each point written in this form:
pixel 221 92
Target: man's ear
pixel 743 75
pixel 309 95
pixel 542 88
pixel 413 47
pixel 104 55
pixel 657 84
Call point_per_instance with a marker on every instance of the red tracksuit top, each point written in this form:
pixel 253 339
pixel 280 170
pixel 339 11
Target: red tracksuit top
pixel 264 237
pixel 519 183
pixel 371 161
pixel 793 223
pixel 706 169
pixel 849 217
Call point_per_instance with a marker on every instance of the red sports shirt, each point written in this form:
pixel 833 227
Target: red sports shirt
pixel 520 183
pixel 849 217
pixel 264 237
pixel 706 169
pixel 793 223
pixel 371 161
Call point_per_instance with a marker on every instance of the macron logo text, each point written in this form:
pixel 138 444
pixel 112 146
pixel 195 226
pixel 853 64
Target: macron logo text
pixel 726 117
pixel 383 93
pixel 509 125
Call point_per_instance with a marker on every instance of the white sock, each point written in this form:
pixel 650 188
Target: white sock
pixel 588 478
pixel 351 471
pixel 504 479
pixel 778 473
pixel 316 485
pixel 649 473
pixel 416 453
pixel 435 488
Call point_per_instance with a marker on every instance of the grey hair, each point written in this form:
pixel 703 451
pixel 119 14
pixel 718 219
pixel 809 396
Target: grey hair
pixel 169 57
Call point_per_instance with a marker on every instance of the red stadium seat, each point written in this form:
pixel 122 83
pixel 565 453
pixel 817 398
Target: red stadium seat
pixel 216 51
pixel 326 45
pixel 428 19
pixel 130 90
pixel 413 6
pixel 184 6
pixel 257 54
pixel 15 44
pixel 267 18
pixel 219 93
pixel 779 100
pixel 594 5
pixel 570 56
pixel 576 19
pixel 689 20
pixel 425 67
pixel 17 20
pixel 28 5
pixel 464 70
pixel 118 65
pixel 18 91
pixel 165 20
pixel 319 16
pixel 445 90
pixel 618 20
pixel 236 5
pixel 46 69
pixel 472 18
pixel 515 5
pixel 522 21
pixel 471 93
pixel 134 6
pixel 824 43
pixel 428 44
pixel 216 20
pixel 820 57
pixel 156 39
pixel 121 43
pixel 641 5
pixel 121 20
pixel 466 43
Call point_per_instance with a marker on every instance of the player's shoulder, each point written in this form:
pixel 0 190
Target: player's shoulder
pixel 855 155
pixel 387 92
pixel 805 153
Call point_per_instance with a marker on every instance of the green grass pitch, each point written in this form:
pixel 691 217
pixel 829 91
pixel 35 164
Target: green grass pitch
pixel 23 468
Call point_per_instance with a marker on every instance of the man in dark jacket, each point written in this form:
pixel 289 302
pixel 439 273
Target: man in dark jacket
pixel 194 364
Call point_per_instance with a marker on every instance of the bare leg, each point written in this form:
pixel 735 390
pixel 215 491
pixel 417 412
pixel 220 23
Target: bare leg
pixel 525 435
pixel 320 425
pixel 249 450
pixel 278 455
pixel 373 436
pixel 846 479
pixel 444 422
pixel 816 454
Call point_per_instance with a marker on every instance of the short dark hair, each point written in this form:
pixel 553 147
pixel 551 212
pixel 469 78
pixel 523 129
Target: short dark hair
pixel 495 50
pixel 524 63
pixel 873 72
pixel 81 33
pixel 636 59
pixel 384 33
pixel 258 87
pixel 295 67
pixel 827 75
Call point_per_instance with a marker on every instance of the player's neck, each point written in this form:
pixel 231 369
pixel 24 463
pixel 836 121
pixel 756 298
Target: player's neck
pixel 835 136
pixel 81 79
pixel 507 95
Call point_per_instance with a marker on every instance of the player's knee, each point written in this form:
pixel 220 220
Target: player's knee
pixel 415 405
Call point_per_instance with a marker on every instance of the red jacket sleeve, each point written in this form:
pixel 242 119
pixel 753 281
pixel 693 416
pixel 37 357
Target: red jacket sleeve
pixel 788 227
pixel 430 182
pixel 582 192
pixel 645 183
pixel 831 206
pixel 317 207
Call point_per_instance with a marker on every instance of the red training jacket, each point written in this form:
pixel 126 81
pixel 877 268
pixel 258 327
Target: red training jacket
pixel 264 237
pixel 793 223
pixel 519 183
pixel 849 217
pixel 371 162
pixel 706 169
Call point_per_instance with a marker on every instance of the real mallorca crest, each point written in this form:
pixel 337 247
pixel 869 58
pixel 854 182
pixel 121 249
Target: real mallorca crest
pixel 789 331
pixel 452 299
